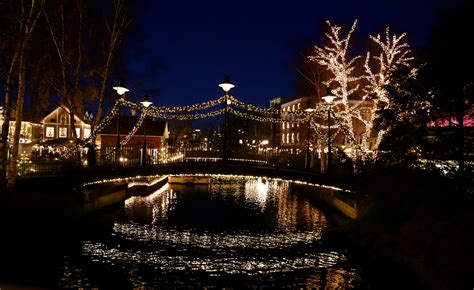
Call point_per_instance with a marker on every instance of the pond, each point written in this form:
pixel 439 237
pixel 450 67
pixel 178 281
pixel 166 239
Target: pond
pixel 234 232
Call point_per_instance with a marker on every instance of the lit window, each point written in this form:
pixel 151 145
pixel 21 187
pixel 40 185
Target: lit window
pixel 50 132
pixel 78 133
pixel 292 137
pixel 287 137
pixel 283 138
pixel 299 106
pixel 87 132
pixel 297 136
pixel 293 108
pixel 62 132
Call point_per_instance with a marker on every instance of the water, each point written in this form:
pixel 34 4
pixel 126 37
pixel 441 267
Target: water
pixel 234 232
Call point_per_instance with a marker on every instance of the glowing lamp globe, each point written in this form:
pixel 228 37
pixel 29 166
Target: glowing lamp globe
pixel 226 85
pixel 146 101
pixel 120 88
pixel 329 98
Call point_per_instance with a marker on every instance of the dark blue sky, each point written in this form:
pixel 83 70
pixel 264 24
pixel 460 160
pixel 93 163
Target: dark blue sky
pixel 198 42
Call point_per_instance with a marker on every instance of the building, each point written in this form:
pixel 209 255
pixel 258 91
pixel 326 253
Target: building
pixel 294 136
pixel 156 134
pixel 275 138
pixel 58 125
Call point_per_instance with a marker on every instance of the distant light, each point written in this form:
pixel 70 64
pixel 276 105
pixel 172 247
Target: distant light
pixel 265 142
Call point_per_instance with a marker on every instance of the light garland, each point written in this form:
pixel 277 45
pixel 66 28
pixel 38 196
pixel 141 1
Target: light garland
pixel 190 116
pixel 134 130
pixel 265 119
pixel 195 107
pixel 105 121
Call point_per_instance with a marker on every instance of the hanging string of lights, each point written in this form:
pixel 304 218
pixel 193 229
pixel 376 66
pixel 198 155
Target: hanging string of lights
pixel 134 130
pixel 259 118
pixel 70 150
pixel 105 121
pixel 195 107
pixel 248 111
pixel 182 117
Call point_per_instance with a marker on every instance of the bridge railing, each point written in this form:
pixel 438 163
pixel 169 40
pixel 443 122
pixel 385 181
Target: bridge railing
pixel 130 156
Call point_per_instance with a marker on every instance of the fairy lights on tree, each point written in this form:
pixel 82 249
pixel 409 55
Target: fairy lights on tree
pixel 394 51
pixel 358 85
pixel 344 81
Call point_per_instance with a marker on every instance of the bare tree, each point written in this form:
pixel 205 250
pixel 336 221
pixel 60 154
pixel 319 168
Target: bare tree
pixel 26 20
pixel 113 38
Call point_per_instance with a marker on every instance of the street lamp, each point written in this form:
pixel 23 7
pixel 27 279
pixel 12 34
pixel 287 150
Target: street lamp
pixel 329 98
pixel 308 155
pixel 121 90
pixel 145 103
pixel 226 85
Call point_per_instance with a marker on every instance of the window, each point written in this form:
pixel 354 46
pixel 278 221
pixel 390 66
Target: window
pixel 87 133
pixel 63 119
pixel 287 125
pixel 299 106
pixel 62 132
pixel 297 136
pixel 78 133
pixel 293 108
pixel 50 132
pixel 283 138
pixel 292 137
pixel 287 137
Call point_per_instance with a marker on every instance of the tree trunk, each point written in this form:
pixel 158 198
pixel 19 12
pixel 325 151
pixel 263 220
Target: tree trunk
pixel 12 168
pixel 6 128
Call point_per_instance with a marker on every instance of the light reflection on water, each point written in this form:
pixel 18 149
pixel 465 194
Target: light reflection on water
pixel 234 232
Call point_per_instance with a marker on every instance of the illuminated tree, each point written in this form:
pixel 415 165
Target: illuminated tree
pixel 343 79
pixel 359 86
pixel 394 52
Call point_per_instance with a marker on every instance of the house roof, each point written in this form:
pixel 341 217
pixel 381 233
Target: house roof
pixel 153 127
pixel 45 118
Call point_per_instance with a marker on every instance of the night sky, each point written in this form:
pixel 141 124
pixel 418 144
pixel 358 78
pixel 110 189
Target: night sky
pixel 190 45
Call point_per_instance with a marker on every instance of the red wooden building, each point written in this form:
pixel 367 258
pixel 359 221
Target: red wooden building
pixel 156 133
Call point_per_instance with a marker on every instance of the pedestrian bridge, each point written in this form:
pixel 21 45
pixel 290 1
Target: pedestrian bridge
pixel 76 176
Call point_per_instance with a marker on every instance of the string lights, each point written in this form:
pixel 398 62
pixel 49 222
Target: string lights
pixel 346 82
pixel 394 51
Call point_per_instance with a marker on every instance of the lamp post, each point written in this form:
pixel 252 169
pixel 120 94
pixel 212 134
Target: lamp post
pixel 226 85
pixel 329 98
pixel 308 155
pixel 121 90
pixel 145 103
